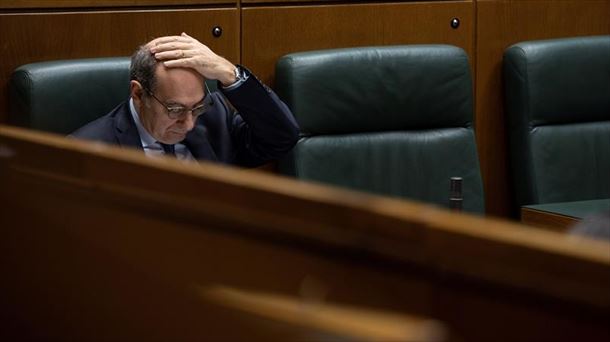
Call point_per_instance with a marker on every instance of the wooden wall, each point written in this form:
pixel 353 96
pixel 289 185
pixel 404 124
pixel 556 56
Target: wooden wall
pixel 257 32
pixel 270 32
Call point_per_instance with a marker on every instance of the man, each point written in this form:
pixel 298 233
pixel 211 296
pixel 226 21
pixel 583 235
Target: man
pixel 168 112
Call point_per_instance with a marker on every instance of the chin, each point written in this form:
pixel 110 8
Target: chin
pixel 175 138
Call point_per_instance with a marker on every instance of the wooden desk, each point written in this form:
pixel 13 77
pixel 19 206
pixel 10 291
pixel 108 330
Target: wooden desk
pixel 561 216
pixel 100 243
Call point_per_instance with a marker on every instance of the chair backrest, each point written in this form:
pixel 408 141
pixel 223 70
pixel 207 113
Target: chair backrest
pixel 557 96
pixel 393 120
pixel 60 96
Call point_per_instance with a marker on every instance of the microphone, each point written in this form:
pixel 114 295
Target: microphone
pixel 455 194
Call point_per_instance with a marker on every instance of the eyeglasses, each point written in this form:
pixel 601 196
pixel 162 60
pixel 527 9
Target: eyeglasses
pixel 179 112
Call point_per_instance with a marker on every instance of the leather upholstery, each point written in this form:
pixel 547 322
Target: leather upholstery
pixel 557 95
pixel 60 96
pixel 63 95
pixel 390 120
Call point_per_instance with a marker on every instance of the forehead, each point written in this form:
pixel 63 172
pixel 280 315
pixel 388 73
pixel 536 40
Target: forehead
pixel 183 85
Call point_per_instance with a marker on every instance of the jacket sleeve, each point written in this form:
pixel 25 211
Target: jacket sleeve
pixel 262 127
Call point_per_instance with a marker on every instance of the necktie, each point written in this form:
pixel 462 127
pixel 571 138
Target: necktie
pixel 168 149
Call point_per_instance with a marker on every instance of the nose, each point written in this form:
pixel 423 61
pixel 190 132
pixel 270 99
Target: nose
pixel 188 121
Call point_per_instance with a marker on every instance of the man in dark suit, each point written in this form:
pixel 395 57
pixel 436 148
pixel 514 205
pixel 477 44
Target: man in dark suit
pixel 168 112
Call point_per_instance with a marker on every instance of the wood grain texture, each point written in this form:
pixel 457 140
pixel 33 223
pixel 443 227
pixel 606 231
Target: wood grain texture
pixel 271 32
pixel 30 4
pixel 320 2
pixel 127 248
pixel 501 23
pixel 312 313
pixel 34 37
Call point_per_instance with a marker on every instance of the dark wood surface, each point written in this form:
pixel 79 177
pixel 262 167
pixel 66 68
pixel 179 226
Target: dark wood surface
pixel 562 216
pixel 545 219
pixel 281 2
pixel 105 241
pixel 271 32
pixel 32 4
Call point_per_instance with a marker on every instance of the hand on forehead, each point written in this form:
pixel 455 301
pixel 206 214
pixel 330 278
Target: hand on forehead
pixel 184 51
pixel 167 43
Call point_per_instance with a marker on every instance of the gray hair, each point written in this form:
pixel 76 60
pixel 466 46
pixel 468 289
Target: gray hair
pixel 142 69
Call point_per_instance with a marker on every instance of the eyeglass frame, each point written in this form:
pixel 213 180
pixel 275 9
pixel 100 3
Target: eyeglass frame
pixel 183 111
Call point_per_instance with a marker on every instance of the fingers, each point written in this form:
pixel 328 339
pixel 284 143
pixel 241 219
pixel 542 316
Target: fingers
pixel 181 63
pixel 170 46
pixel 173 54
pixel 170 39
pixel 186 52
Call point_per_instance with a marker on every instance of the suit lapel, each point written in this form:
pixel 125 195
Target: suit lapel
pixel 127 135
pixel 197 142
pixel 126 130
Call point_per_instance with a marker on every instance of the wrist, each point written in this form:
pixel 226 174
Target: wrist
pixel 240 77
pixel 229 76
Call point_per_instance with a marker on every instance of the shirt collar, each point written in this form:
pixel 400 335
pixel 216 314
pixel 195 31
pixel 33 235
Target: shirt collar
pixel 145 137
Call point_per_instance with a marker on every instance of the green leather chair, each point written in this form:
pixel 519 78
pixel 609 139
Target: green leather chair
pixel 391 120
pixel 557 96
pixel 60 96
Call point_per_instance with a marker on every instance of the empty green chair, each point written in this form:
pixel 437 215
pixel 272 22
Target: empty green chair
pixel 393 120
pixel 557 97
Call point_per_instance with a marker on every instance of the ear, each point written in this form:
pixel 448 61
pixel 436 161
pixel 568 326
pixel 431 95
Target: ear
pixel 137 92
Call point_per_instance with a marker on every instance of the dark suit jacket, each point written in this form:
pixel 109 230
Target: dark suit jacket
pixel 262 130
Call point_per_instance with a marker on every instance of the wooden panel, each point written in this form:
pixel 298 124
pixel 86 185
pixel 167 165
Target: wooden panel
pixel 270 32
pixel 289 1
pixel 500 24
pixel 23 4
pixel 94 236
pixel 37 37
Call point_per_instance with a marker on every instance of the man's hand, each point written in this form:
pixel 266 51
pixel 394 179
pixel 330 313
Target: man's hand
pixel 185 51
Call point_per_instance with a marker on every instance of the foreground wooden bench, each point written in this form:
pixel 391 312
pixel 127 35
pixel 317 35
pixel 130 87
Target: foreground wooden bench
pixel 99 243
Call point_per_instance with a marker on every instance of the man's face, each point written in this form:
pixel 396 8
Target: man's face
pixel 176 87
